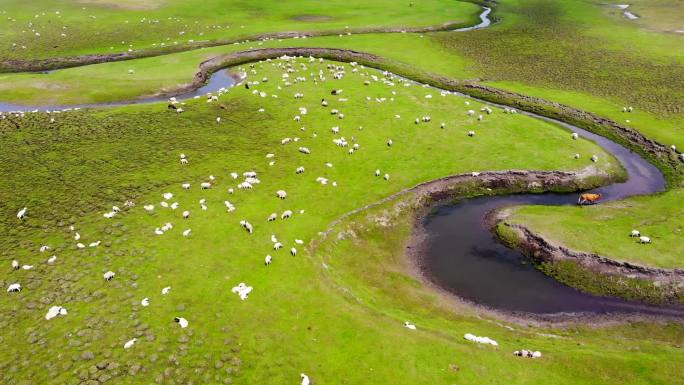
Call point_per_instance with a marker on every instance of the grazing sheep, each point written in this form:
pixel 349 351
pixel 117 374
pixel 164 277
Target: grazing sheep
pixel 286 214
pixel 242 290
pixel 108 276
pixel 80 245
pixel 575 136
pixel 299 241
pixel 54 311
pixel 27 267
pixel 389 143
pixel 184 162
pixel 594 158
pixel 14 288
pixel 442 125
pixel 52 259
pixel 272 217
pixel 635 233
pixel 205 185
pixel 305 379
pixel 527 353
pixel 247 226
pixel 181 321
pixel 145 302
pixel 386 177
pixel 186 214
pixel 277 246
pixel 336 92
pixel 409 325
pixel 481 340
pixel 577 156
pixel 643 239
pixel 22 213
pixel 293 251
pixel 166 290
pixel 268 260
pixel 304 150
pixel 299 170
pixel 186 186
pixel 471 133
pixel 187 232
pixel 77 236
pixel 15 265
pixel 44 248
pixel 167 196
pixel 130 343
pixel 281 194
pixel 149 208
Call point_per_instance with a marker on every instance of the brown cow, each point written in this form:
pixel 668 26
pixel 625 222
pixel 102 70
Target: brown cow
pixel 589 198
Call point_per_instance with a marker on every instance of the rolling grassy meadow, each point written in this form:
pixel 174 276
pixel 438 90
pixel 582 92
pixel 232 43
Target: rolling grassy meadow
pixel 336 309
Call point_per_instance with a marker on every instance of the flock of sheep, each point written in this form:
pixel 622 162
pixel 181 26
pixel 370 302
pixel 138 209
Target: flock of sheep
pixel 241 183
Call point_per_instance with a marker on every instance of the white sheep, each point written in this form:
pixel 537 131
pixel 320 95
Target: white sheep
pixel 205 185
pixel 129 344
pixel 22 213
pixel 635 233
pixel 15 264
pixel 149 208
pixel 186 214
pixel 277 246
pixel 14 288
pixel 389 143
pixel 281 194
pixel 299 170
pixel 643 239
pixel 181 321
pixel 145 302
pixel 272 217
pixel 167 196
pixel 166 290
pixel 52 259
pixel 185 186
pixel 305 379
pixel 409 325
pixel 386 177
pixel 108 276
pixel 293 251
pixel 268 260
pixel 286 214
pixel 575 136
pixel 481 340
pixel 594 158
pixel 186 233
pixel 54 311
pixel 471 133
pixel 242 290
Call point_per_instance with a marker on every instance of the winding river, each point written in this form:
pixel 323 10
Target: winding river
pixel 465 258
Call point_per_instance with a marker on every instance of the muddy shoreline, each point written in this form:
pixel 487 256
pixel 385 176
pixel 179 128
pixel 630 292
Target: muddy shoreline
pixel 539 249
pixel 500 183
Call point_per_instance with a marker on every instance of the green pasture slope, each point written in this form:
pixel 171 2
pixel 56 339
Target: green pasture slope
pixel 295 320
pixel 45 28
pixel 335 311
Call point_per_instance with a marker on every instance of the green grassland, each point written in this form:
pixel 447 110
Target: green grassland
pixel 72 27
pixel 659 217
pixel 72 171
pixel 334 311
pixel 656 15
